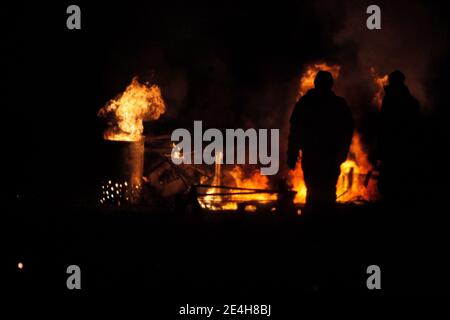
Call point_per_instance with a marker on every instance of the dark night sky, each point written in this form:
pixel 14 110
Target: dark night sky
pixel 225 63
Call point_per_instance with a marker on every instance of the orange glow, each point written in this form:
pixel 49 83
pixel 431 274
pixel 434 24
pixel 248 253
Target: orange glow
pixel 254 181
pixel 213 201
pixel 380 82
pixel 298 183
pixel 351 183
pixel 230 202
pixel 307 79
pixel 354 183
pixel 20 265
pixel 126 113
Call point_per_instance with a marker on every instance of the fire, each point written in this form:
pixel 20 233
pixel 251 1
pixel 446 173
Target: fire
pixel 380 82
pixel 177 154
pixel 354 181
pixel 126 113
pixel 254 181
pixel 214 201
pixel 228 199
pixel 298 183
pixel 307 79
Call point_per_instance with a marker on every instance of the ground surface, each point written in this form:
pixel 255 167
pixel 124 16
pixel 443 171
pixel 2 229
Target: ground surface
pixel 170 254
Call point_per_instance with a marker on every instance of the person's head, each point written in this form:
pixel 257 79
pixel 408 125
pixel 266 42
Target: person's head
pixel 323 80
pixel 396 78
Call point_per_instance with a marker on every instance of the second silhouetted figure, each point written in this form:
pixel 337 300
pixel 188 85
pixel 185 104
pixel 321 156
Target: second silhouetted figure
pixel 398 140
pixel 322 129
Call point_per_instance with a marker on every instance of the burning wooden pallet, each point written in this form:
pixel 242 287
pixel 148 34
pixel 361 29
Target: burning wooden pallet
pixel 226 198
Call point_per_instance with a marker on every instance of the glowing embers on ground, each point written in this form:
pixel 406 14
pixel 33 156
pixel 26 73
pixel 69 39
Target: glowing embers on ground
pixel 119 193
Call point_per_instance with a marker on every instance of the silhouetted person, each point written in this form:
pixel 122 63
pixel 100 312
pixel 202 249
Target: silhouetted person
pixel 397 141
pixel 322 128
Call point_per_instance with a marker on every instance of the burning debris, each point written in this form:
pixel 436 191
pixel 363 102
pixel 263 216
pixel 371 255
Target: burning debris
pixel 357 181
pixel 240 192
pixel 234 141
pixel 239 187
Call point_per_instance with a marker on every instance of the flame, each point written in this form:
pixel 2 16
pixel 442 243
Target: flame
pixel 215 201
pixel 298 183
pixel 250 208
pixel 355 182
pixel 126 113
pixel 177 154
pixel 254 181
pixel 307 79
pixel 380 82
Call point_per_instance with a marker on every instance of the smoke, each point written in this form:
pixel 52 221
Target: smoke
pixel 409 40
pixel 240 66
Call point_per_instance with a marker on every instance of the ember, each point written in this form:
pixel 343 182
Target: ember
pixel 118 193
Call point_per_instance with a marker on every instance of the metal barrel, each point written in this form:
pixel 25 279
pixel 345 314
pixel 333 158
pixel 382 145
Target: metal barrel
pixel 123 171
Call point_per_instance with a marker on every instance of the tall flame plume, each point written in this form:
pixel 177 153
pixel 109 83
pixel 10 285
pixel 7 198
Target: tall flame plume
pixel 127 112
